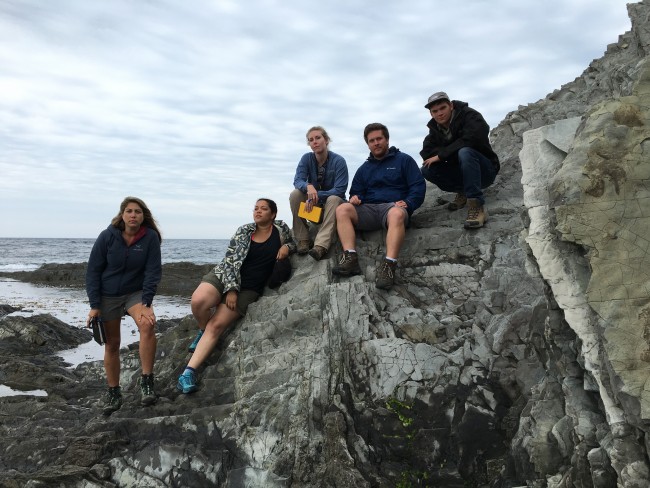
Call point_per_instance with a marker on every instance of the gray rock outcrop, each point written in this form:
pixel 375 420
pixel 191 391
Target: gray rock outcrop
pixel 513 355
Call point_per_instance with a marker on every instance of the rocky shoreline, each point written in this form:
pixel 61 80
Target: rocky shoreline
pixel 178 279
pixel 496 361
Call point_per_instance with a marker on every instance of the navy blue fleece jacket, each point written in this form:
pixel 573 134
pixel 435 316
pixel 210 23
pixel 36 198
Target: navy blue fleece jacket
pixel 115 269
pixel 391 179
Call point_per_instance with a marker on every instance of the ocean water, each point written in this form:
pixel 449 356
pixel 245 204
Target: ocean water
pixel 70 305
pixel 27 254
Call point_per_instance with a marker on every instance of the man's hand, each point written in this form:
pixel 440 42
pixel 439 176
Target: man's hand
pixel 429 161
pixel 355 200
pixel 401 204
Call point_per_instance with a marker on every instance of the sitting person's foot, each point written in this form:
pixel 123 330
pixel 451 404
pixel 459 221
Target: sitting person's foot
pixel 187 382
pixel 348 265
pixel 460 200
pixel 303 247
pixel 195 342
pixel 476 214
pixel 317 252
pixel 386 274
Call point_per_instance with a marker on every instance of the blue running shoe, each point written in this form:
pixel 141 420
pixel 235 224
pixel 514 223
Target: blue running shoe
pixel 195 342
pixel 187 382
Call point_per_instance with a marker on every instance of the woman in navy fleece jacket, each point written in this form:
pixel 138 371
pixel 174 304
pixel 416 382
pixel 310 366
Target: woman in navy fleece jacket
pixel 124 270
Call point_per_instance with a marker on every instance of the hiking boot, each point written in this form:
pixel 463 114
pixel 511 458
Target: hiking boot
pixel 303 247
pixel 195 342
pixel 386 275
pixel 476 214
pixel 348 265
pixel 460 200
pixel 112 400
pixel 146 388
pixel 317 252
pixel 187 382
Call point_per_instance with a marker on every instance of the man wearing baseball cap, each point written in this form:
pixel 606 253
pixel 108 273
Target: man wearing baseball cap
pixel 457 155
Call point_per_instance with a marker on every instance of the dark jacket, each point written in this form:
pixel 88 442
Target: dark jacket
pixel 468 129
pixel 391 179
pixel 115 269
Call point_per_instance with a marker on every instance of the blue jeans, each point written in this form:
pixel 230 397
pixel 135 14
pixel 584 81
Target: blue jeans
pixel 469 175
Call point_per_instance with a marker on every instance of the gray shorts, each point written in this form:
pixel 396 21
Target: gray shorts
pixel 244 297
pixel 373 216
pixel 113 308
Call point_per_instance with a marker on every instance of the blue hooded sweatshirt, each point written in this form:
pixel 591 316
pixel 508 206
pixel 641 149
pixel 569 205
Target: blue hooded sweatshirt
pixel 391 179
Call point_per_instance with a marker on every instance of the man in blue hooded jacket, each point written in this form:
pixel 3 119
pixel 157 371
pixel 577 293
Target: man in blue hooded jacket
pixel 386 189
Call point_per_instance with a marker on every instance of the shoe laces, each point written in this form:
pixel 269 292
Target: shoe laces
pixel 473 212
pixel 113 395
pixel 387 269
pixel 147 385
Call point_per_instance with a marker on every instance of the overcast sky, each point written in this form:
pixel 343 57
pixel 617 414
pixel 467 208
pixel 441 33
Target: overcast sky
pixel 200 107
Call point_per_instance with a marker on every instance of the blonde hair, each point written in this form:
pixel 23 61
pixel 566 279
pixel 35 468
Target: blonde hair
pixel 321 130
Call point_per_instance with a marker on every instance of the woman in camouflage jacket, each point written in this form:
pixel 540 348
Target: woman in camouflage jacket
pixel 255 252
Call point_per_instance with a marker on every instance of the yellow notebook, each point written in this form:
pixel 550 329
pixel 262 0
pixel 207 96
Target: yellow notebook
pixel 315 216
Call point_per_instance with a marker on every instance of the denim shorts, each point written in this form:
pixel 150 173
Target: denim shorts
pixel 373 216
pixel 113 308
pixel 244 297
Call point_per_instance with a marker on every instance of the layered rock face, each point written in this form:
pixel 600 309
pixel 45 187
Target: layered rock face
pixel 508 356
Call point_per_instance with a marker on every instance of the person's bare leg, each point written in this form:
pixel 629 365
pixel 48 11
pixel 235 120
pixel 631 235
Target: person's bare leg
pixel 112 352
pixel 218 323
pixel 396 230
pixel 346 218
pixel 148 339
pixel 204 298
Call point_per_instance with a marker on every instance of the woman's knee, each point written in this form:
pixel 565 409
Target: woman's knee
pixel 216 327
pixel 204 297
pixel 147 331
pixel 112 347
pixel 297 196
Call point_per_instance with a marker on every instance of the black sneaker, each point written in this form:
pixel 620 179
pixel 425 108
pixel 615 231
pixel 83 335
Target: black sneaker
pixel 146 387
pixel 112 400
pixel 386 275
pixel 348 265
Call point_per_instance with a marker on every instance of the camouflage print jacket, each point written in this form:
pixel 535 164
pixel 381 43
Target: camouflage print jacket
pixel 227 270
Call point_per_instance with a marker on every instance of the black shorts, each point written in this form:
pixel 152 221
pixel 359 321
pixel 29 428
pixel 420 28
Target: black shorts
pixel 244 297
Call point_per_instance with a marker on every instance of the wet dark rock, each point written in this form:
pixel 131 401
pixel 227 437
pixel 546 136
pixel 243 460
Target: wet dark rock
pixel 178 279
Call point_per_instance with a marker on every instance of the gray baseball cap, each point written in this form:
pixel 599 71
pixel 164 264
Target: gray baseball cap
pixel 436 97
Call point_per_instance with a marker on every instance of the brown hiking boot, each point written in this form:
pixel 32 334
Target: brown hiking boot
pixel 476 214
pixel 460 200
pixel 386 275
pixel 303 247
pixel 348 265
pixel 317 252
